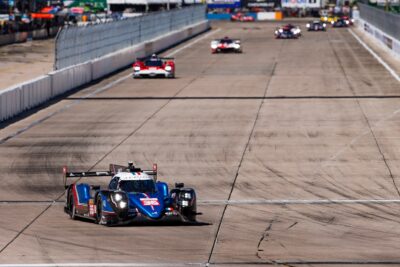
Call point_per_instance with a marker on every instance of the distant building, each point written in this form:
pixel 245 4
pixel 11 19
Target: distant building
pixel 310 4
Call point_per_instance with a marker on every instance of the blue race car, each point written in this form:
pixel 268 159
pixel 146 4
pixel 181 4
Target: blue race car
pixel 132 194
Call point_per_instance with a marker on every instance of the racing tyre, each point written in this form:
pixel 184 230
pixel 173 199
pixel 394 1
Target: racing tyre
pixel 72 208
pixel 190 213
pixel 99 209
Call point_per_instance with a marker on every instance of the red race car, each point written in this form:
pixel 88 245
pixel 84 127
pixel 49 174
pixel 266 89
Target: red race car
pixel 241 17
pixel 350 20
pixel 154 66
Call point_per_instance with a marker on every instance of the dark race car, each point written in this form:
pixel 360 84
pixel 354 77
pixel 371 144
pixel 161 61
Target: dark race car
pixel 132 194
pixel 154 66
pixel 340 23
pixel 288 31
pixel 226 45
pixel 316 26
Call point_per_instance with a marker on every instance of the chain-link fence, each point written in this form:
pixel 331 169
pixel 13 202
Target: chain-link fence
pixel 385 21
pixel 75 44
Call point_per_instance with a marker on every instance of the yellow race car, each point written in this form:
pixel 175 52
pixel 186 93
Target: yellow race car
pixel 329 19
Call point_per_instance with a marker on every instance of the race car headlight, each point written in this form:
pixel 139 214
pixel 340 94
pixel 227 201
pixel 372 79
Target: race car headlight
pixel 122 204
pixel 185 203
pixel 332 22
pixel 136 68
pixel 168 68
pixel 352 20
pixel 347 22
pixel 117 197
pixel 308 25
pixel 214 46
pixel 187 195
pixel 280 30
pixel 324 25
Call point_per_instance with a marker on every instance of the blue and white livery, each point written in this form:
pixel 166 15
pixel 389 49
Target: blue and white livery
pixel 132 194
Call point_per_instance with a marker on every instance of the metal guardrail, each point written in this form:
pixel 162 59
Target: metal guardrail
pixel 76 45
pixel 385 21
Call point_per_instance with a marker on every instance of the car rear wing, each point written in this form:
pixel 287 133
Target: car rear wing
pixel 69 175
pixel 114 169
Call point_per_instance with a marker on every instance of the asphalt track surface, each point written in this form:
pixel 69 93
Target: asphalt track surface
pixel 292 146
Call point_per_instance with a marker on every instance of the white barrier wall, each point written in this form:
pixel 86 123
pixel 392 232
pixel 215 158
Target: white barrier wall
pixel 69 78
pixel 10 103
pixel 110 63
pixel 266 16
pixel 35 92
pixel 389 42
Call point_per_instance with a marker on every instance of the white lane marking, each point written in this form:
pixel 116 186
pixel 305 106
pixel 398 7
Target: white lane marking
pixel 99 90
pixel 297 201
pixel 192 43
pixel 387 67
pixel 101 264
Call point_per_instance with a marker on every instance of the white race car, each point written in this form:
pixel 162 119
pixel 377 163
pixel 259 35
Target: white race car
pixel 226 45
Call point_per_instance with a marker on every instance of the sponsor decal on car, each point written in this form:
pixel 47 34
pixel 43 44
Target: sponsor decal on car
pixel 149 201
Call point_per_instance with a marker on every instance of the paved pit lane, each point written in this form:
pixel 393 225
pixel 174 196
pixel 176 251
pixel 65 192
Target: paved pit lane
pixel 292 146
pixel 25 61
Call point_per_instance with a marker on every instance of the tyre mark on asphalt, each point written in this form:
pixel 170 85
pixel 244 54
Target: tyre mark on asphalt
pixel 364 115
pixel 243 154
pixel 108 86
pixel 263 237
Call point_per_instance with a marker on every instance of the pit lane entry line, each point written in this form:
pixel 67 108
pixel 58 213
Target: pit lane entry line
pixel 384 64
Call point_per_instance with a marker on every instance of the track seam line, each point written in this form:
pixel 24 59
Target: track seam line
pixel 241 161
pixel 365 117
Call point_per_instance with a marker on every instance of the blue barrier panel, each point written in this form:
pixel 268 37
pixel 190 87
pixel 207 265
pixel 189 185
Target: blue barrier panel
pixel 211 16
pixel 218 16
pixel 254 15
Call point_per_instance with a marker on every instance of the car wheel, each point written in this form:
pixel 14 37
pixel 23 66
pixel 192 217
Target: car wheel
pixel 99 209
pixel 72 208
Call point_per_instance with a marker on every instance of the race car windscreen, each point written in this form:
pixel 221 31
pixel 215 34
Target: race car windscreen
pixel 153 63
pixel 226 41
pixel 138 186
